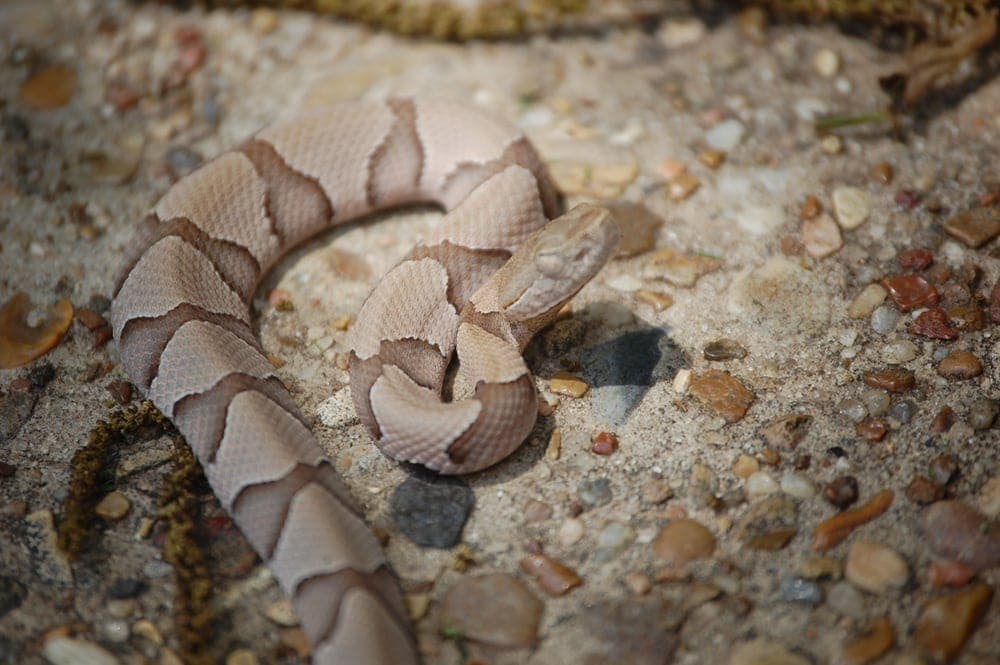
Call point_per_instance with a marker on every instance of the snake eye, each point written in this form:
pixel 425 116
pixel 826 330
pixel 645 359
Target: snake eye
pixel 549 262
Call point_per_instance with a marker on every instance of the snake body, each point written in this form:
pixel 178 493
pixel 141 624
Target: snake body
pixel 491 275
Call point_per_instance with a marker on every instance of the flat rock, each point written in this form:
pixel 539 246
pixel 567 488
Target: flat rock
pixel 875 567
pixel 432 511
pixel 947 622
pixel 722 393
pixel 958 531
pixel 684 540
pixel 493 609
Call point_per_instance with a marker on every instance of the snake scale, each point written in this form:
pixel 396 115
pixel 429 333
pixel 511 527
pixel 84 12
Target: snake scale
pixel 493 273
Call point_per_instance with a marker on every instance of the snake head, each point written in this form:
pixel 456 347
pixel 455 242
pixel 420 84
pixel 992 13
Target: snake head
pixel 554 264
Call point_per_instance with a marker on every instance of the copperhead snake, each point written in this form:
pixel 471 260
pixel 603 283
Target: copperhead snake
pixel 493 273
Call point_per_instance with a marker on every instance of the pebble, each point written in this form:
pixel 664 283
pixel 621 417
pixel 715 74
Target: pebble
pixel 949 573
pixel 797 485
pixel 883 173
pixel 12 594
pixel 683 541
pixel 798 590
pixel 679 269
pixel 555 578
pixel 989 498
pixel 683 186
pixel 492 609
pixel 761 484
pixel 811 207
pixel 895 379
pixel 899 352
pixel 638 225
pixel 934 323
pixel 241 657
pixel 821 567
pixel 769 524
pixel 61 650
pixel 911 292
pixel 923 491
pixel 982 413
pixel 852 409
pixel 570 532
pixel 821 236
pixel 536 511
pixel 745 466
pixel 944 468
pixel 282 613
pixel 902 412
pixel 763 652
pixel 554 447
pixel 872 430
pixel 417 605
pixel 605 443
pixel 915 259
pixel 612 540
pixel 656 491
pixel 786 431
pixel 974 227
pixel 956 530
pixel 726 135
pixel 876 401
pixel 724 349
pixel 113 506
pixel 722 393
pixel 871 645
pixel 875 567
pixel 658 301
pixel 432 511
pixel 682 381
pixel 865 302
pixel 145 628
pixel 851 206
pixel 639 583
pixel 594 492
pixel 826 62
pixel 713 159
pixel 564 383
pixel 947 622
pixel 832 144
pixel 841 492
pixel 884 320
pixel 846 600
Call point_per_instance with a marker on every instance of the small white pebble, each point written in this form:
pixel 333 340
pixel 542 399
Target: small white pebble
pixel 798 486
pixel 682 381
pixel 826 63
pixel 760 484
pixel 570 532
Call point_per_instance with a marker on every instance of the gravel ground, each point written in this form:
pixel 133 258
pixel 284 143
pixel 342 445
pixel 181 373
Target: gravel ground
pixel 829 284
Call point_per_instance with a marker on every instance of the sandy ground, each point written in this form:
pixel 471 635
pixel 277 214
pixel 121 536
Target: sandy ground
pixel 614 115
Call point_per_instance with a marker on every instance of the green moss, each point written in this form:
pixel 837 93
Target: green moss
pixel 193 614
pixel 90 472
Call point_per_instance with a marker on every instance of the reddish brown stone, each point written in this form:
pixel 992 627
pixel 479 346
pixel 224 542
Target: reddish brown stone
pixel 555 578
pixel 994 308
pixel 907 199
pixel 877 639
pixel 934 323
pixel 121 391
pixel 895 380
pixel 873 430
pixel 960 365
pixel 923 491
pixel 967 316
pixel 91 320
pixel 910 291
pixel 604 443
pixel 722 393
pixel 948 574
pixel 974 227
pixel 915 259
pixel 946 623
pixel 48 88
pixel 943 420
pixel 841 491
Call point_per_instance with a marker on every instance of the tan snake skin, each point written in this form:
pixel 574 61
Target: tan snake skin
pixel 493 274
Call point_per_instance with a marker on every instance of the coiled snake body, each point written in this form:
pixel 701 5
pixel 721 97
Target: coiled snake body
pixel 491 275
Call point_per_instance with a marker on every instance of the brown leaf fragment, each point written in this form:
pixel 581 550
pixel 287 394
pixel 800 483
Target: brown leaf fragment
pixel 929 61
pixel 831 531
pixel 722 393
pixel 21 343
